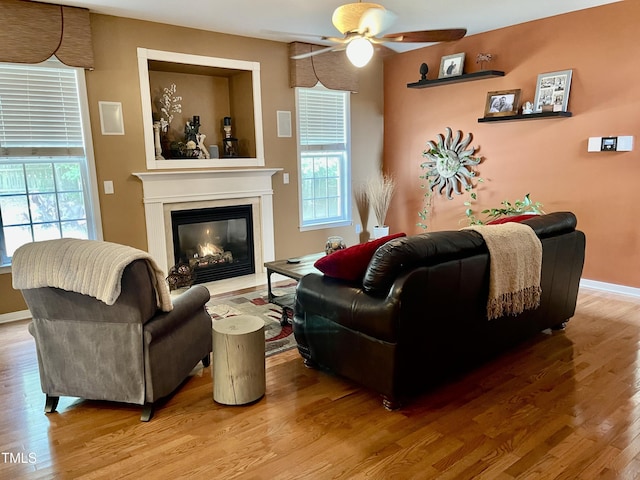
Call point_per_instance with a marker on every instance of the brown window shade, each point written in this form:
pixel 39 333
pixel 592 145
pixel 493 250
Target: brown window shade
pixel 332 69
pixel 30 32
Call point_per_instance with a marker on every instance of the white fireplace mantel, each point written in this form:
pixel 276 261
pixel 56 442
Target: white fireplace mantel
pixel 187 186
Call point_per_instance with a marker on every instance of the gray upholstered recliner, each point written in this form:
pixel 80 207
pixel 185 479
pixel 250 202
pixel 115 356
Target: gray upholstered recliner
pixel 126 352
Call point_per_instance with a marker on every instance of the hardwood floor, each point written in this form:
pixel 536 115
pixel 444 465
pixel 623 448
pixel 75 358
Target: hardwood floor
pixel 565 405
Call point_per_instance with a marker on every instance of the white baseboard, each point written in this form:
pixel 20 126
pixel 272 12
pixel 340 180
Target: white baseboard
pixel 14 316
pixel 610 287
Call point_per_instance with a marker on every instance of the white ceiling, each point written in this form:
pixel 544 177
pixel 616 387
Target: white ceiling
pixel 306 20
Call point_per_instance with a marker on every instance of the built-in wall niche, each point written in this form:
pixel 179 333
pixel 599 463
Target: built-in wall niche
pixel 211 88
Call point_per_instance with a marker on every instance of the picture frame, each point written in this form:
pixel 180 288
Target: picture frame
pixel 552 91
pixel 451 65
pixel 502 103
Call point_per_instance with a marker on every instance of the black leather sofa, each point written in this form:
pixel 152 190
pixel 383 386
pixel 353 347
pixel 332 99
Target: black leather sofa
pixel 419 314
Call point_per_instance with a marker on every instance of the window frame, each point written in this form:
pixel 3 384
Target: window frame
pixel 89 177
pixel 345 168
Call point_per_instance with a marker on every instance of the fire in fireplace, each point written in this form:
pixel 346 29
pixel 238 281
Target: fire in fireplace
pixel 216 242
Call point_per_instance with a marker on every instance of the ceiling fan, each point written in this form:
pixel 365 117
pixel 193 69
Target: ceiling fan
pixel 362 23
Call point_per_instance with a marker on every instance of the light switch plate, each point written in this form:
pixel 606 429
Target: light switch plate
pixel 108 187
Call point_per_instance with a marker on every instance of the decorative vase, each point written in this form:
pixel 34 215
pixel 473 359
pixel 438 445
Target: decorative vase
pixel 379 232
pixel 334 243
pixel 156 141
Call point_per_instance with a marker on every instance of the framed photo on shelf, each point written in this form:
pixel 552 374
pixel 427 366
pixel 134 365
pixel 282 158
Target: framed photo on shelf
pixel 451 65
pixel 552 91
pixel 502 103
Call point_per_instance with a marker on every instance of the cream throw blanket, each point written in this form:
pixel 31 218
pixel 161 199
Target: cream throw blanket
pixel 89 267
pixel 515 266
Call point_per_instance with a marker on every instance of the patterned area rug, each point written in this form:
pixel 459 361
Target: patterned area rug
pixel 278 338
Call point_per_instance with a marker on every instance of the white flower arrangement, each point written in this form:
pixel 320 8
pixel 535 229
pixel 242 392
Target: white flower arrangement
pixel 169 105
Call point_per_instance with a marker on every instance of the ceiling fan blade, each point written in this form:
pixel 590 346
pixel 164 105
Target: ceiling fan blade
pixel 346 18
pixel 426 36
pixel 376 20
pixel 337 39
pixel 314 52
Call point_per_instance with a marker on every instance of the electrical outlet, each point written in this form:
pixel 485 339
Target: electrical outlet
pixel 108 187
pixel 358 228
pixel 285 178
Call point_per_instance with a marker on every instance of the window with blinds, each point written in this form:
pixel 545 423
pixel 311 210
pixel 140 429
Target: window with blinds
pixel 324 157
pixel 43 160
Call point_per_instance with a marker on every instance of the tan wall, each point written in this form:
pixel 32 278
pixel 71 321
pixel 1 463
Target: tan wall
pixel 547 158
pixel 115 78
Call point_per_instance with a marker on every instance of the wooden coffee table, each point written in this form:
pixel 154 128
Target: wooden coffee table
pixel 295 268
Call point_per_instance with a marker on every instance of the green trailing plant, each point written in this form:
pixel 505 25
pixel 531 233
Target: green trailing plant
pixel 468 204
pixel 518 207
pixel 426 204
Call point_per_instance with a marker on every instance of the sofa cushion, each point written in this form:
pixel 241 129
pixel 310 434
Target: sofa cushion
pixel 403 254
pixel 351 263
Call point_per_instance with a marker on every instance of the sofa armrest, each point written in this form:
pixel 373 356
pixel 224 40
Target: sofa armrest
pixel 552 224
pixel 348 305
pixel 184 306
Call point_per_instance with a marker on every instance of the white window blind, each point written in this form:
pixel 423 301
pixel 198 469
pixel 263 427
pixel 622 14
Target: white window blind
pixel 45 182
pixel 39 111
pixel 324 157
pixel 322 116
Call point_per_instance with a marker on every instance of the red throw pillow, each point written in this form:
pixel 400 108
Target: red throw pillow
pixel 514 218
pixel 351 263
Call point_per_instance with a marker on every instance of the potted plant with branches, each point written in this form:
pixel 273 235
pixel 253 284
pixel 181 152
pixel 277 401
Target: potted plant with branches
pixel 379 190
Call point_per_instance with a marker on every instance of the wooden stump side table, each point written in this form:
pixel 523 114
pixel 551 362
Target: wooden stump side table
pixel 238 360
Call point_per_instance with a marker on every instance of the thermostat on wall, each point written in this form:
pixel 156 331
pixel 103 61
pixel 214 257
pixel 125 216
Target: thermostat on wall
pixel 610 144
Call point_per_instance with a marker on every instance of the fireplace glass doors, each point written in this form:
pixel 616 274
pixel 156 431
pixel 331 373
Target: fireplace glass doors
pixel 216 242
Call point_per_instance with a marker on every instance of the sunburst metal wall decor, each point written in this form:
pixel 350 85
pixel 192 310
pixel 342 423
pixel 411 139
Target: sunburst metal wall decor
pixel 450 164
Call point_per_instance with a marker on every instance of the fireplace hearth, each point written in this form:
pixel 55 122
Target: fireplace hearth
pixel 216 242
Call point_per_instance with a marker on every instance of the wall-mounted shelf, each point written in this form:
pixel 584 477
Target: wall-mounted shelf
pixel 529 116
pixel 466 77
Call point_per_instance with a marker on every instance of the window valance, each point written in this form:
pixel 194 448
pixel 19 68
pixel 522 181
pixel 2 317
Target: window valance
pixel 332 69
pixel 31 32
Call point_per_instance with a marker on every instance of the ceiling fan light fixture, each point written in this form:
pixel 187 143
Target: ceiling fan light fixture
pixel 359 51
pixel 363 24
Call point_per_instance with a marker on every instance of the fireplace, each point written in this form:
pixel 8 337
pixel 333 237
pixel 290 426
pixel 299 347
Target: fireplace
pixel 164 192
pixel 216 242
